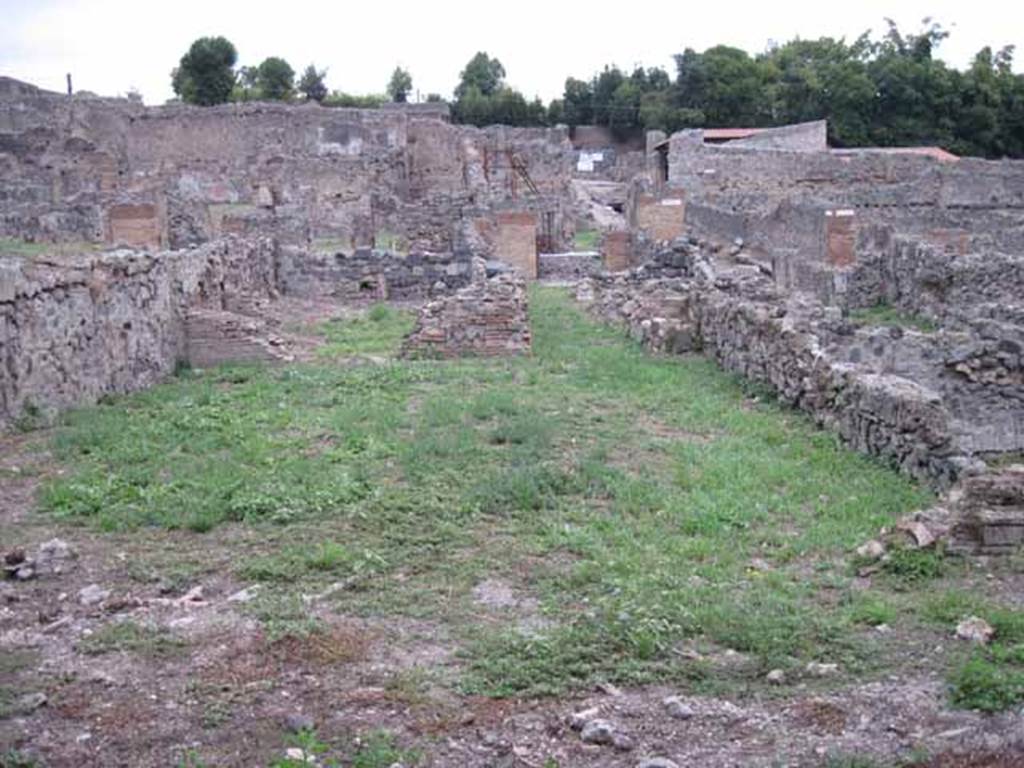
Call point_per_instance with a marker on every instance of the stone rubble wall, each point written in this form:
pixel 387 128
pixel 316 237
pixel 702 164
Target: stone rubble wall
pixel 722 175
pixel 749 329
pixel 568 266
pixel 371 274
pixel 488 318
pixel 922 278
pixel 76 329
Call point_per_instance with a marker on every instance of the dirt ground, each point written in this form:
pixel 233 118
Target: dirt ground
pixel 233 696
pixel 137 650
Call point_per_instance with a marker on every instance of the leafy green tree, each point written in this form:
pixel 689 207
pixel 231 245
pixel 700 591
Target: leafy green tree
pixel 368 101
pixel 917 96
pixel 578 102
pixel 604 87
pixel 473 108
pixel 275 79
pixel 400 85
pixel 245 88
pixel 824 78
pixel 727 85
pixel 482 72
pixel 205 75
pixel 624 109
pixel 556 112
pixel 312 85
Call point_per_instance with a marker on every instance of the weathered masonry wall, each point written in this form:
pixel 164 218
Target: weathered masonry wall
pixel 927 279
pixel 371 274
pixel 71 331
pixel 747 331
pixel 746 176
pixel 516 242
pixel 568 266
pixel 488 318
pixel 111 171
pixel 815 213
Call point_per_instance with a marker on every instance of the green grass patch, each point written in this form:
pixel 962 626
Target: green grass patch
pixel 378 331
pixel 625 494
pixel 327 558
pixel 390 241
pixel 23 249
pixel 131 637
pixel 991 678
pixel 587 240
pixel 374 749
pixel 990 681
pixel 13 758
pixel 884 314
pixel 912 566
pixel 341 244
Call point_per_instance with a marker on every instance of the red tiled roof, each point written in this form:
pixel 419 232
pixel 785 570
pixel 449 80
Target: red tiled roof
pixel 728 134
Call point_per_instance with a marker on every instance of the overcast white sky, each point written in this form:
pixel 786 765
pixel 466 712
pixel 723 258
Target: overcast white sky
pixel 111 46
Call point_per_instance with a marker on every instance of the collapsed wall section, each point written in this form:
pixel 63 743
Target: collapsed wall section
pixel 488 318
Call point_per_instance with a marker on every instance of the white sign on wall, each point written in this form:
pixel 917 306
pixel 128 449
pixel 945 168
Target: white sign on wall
pixel 588 160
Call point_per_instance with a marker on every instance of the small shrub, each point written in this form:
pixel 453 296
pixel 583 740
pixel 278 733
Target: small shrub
pixel 378 750
pixel 987 685
pixel 914 565
pixel 379 313
pixel 12 758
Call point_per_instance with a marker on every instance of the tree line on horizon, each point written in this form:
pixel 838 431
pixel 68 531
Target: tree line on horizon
pixel 889 91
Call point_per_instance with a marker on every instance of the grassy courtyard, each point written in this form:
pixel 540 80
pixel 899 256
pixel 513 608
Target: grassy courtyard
pixel 638 511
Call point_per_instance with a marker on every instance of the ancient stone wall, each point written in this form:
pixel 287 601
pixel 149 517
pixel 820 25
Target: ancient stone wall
pixel 73 329
pixel 112 171
pixel 862 177
pixel 801 137
pixel 747 329
pixel 568 266
pixel 371 274
pixel 938 282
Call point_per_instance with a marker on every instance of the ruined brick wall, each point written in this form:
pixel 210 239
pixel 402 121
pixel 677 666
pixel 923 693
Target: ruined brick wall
pixel 488 318
pixel 72 168
pixel 74 329
pixel 617 251
pixel 516 242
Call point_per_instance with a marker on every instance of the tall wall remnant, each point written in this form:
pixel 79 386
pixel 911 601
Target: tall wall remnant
pixel 516 242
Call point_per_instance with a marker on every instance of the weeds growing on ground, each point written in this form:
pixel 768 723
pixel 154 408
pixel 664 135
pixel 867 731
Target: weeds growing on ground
pixel 627 494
